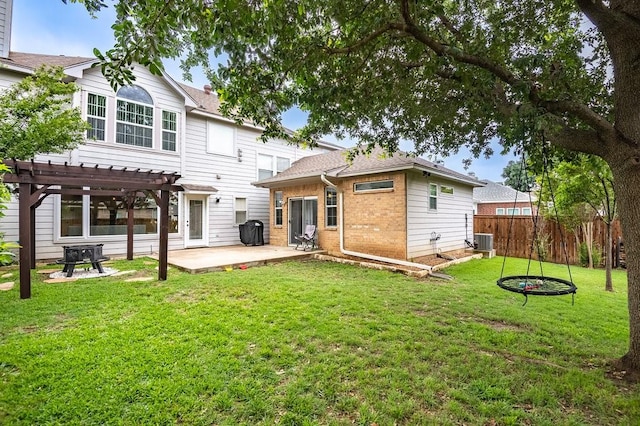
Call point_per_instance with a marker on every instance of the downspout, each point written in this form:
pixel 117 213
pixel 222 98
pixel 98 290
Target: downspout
pixel 358 254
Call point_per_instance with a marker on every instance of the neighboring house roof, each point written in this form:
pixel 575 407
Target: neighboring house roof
pixel 335 164
pixel 494 192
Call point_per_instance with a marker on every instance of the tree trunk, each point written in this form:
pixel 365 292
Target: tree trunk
pixel 627 187
pixel 587 230
pixel 608 286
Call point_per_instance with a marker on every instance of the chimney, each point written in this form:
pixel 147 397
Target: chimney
pixel 207 88
pixel 6 7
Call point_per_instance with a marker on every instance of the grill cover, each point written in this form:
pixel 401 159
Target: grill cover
pixel 251 233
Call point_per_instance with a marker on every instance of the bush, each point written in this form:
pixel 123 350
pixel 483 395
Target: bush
pixel 596 255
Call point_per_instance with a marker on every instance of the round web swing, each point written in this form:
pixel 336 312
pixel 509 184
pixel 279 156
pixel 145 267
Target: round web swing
pixel 537 285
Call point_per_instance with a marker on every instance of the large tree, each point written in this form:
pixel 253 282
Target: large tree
pixel 517 176
pixel 35 116
pixel 581 192
pixel 440 73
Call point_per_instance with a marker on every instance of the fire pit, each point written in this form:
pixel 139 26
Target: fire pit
pixel 82 255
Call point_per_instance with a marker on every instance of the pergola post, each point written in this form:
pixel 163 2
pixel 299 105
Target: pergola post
pixel 26 227
pixel 164 235
pixel 130 201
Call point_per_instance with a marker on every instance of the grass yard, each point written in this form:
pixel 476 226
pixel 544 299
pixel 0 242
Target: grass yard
pixel 314 343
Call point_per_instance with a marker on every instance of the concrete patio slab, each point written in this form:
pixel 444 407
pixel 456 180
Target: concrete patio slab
pixel 210 259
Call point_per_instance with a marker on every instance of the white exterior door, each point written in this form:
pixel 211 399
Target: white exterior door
pixel 196 224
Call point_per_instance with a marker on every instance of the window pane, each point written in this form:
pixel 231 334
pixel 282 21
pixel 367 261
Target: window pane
pixel 278 207
pixel 108 216
pixel 446 189
pixel 71 215
pixel 368 186
pixel 96 113
pixel 220 139
pixel 135 93
pixel 282 164
pixel 168 141
pixel 433 203
pixel 240 210
pixel 173 212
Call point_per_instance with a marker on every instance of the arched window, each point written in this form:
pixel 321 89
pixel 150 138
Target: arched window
pixel 134 117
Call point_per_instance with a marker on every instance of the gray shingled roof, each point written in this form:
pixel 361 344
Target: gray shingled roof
pixel 34 60
pixel 335 164
pixel 494 192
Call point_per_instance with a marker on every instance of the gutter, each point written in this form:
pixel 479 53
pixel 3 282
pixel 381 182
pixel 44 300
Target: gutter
pixel 364 255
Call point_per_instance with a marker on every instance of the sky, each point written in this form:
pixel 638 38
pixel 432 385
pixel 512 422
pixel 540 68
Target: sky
pixel 53 28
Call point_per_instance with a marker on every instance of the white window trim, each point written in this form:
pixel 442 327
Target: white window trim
pixel 430 196
pixel 356 190
pixel 235 210
pixel 499 210
pixel 529 211
pixel 154 125
pixel 447 194
pixel 276 208
pixel 274 164
pixel 176 132
pixel 105 118
pixel 326 208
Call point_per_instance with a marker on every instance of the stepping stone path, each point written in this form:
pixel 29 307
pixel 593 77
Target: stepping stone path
pixel 6 286
pixel 48 271
pixel 7 275
pixel 59 280
pixel 130 280
pixel 117 274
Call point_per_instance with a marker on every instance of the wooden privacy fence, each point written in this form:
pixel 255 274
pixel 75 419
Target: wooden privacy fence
pixel 550 236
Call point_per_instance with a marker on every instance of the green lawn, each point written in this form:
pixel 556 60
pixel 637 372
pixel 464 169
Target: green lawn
pixel 314 343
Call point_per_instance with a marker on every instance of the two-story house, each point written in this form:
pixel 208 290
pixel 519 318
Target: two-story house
pixel 155 124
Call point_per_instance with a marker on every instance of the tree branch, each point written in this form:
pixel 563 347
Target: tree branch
pixel 587 141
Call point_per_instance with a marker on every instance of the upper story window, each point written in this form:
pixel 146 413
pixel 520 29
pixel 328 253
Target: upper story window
pixel 526 211
pixel 96 116
pixel 500 210
pixel 134 117
pixel 268 163
pixel 220 139
pixel 169 130
pixel 372 186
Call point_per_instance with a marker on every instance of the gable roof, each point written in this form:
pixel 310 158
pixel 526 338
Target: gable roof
pixel 335 164
pixel 494 192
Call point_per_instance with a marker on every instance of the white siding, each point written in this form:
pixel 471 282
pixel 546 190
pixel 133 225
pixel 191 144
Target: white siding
pixel 230 176
pixel 5 27
pixel 448 220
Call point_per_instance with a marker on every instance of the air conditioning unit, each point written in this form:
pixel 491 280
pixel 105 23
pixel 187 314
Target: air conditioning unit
pixel 484 241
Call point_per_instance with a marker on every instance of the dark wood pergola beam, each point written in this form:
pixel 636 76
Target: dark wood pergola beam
pixel 35 179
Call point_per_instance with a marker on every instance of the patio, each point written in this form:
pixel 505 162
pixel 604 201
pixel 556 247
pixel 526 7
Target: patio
pixel 208 259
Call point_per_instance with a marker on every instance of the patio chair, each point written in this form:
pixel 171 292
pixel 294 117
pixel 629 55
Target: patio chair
pixel 308 239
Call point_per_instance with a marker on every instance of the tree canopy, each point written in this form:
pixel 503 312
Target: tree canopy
pixel 439 73
pixel 35 116
pixel 517 176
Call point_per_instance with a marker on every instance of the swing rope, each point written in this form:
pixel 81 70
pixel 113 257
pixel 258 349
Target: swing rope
pixel 528 284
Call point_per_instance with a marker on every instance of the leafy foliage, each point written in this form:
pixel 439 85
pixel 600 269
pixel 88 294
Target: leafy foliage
pixel 6 256
pixel 517 176
pixel 36 117
pixel 441 74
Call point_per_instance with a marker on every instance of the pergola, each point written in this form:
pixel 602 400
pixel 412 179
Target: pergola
pixel 38 180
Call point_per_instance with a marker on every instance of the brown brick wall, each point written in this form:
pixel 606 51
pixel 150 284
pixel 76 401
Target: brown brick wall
pixel 375 221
